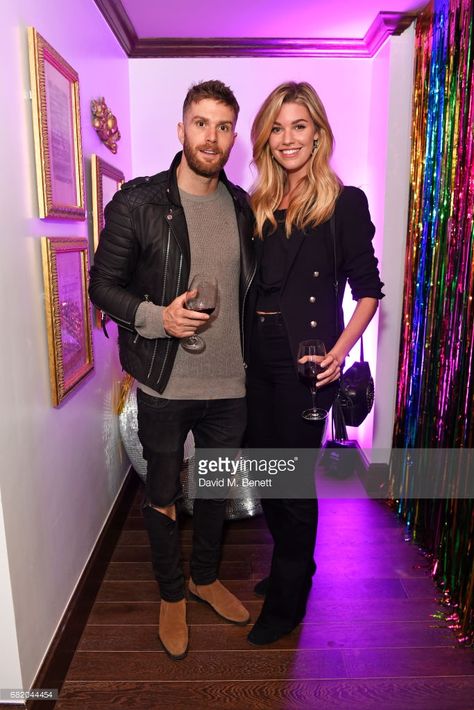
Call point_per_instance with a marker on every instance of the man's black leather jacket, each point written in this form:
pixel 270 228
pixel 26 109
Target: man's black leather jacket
pixel 143 254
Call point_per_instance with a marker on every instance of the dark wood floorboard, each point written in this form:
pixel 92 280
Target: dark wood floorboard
pixel 339 588
pixel 325 554
pixel 214 665
pixel 234 535
pixel 319 611
pixel 372 638
pixel 428 693
pixel 219 637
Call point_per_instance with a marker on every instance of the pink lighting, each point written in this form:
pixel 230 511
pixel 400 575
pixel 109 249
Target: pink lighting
pixel 355 97
pixel 255 30
pixel 265 18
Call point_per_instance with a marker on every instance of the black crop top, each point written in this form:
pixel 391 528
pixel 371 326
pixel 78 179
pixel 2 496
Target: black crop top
pixel 272 266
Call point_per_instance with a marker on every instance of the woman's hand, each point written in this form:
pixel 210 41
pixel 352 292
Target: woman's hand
pixel 331 372
pixel 331 365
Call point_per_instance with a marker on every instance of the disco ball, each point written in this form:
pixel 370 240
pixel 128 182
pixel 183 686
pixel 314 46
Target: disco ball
pixel 245 506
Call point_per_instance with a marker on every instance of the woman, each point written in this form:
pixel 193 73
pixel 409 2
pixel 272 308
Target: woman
pixel 293 299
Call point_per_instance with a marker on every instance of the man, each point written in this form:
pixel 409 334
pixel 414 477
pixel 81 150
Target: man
pixel 159 232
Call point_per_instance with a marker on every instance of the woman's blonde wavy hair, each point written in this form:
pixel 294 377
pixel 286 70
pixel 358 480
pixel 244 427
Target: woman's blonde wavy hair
pixel 314 198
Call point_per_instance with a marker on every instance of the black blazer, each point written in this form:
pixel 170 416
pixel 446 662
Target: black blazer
pixel 307 296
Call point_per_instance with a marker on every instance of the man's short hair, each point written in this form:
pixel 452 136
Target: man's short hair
pixel 212 89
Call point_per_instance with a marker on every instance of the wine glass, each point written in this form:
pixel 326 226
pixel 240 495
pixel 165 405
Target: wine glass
pixel 315 351
pixel 204 302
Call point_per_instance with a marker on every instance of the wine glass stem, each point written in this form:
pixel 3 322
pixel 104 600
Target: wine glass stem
pixel 313 397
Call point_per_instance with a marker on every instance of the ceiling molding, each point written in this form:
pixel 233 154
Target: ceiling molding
pixel 247 47
pixel 120 23
pixel 384 25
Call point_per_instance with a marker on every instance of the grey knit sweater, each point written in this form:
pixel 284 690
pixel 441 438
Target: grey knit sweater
pixel 218 372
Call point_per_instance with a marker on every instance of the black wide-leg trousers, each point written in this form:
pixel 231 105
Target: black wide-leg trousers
pixel 275 400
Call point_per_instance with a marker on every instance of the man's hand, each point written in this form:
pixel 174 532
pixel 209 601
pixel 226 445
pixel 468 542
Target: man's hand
pixel 179 321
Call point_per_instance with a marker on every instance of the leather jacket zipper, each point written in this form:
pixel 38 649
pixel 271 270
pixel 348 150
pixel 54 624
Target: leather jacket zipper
pixel 243 311
pixel 165 358
pixel 163 292
pixel 103 317
pixel 123 323
pixel 153 358
pixel 127 322
pixel 146 298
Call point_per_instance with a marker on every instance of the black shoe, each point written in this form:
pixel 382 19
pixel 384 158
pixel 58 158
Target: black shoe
pixel 261 587
pixel 262 634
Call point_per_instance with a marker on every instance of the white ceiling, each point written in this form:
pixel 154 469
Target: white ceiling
pixel 260 18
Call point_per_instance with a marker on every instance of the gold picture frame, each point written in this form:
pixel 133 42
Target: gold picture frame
pixel 57 131
pixel 65 270
pixel 106 181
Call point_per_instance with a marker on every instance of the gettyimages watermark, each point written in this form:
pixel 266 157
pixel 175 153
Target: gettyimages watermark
pixel 331 473
pixel 269 473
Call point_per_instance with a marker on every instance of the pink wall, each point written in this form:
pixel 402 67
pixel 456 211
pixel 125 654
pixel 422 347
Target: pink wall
pixel 158 87
pixel 61 468
pixel 353 91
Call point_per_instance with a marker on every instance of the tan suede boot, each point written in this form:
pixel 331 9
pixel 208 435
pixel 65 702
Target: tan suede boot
pixel 173 630
pixel 221 600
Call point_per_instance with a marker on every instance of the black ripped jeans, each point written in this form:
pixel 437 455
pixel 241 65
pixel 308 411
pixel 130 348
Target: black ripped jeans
pixel 163 426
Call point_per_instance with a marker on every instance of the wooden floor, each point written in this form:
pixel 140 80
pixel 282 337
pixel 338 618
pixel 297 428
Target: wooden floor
pixel 371 638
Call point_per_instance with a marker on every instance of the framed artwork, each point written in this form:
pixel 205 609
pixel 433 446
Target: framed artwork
pixel 57 131
pixel 106 180
pixel 65 269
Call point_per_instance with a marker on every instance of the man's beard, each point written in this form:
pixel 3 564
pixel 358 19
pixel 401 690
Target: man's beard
pixel 200 167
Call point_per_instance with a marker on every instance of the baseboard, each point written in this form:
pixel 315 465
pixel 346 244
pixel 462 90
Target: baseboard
pixel 374 476
pixel 56 664
pixel 376 480
pixel 341 459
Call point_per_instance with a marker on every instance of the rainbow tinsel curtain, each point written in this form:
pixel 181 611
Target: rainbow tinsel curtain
pixel 436 371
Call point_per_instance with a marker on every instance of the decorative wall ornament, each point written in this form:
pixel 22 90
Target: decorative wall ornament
pixel 65 270
pixel 57 131
pixel 105 124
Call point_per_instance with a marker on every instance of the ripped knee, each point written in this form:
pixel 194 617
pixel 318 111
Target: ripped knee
pixel 168 510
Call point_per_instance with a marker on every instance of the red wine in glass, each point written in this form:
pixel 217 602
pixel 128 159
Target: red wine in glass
pixel 204 301
pixel 308 373
pixel 209 311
